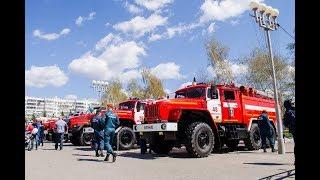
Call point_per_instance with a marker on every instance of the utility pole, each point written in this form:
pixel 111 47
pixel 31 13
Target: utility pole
pixel 266 16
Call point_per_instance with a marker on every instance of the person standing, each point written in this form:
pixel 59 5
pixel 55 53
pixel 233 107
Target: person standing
pixel 266 131
pixel 35 134
pixel 289 120
pixel 111 123
pixel 98 124
pixel 40 133
pixel 61 128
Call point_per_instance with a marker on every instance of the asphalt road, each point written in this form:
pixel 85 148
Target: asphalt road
pixel 80 163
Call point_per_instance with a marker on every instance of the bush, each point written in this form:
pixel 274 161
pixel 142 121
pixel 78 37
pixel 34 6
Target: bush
pixel 286 134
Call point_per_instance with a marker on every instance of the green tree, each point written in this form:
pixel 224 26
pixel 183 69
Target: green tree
pixel 153 87
pixel 44 113
pixel 217 55
pixel 33 117
pixel 114 93
pixel 134 89
pixel 259 73
pixel 62 113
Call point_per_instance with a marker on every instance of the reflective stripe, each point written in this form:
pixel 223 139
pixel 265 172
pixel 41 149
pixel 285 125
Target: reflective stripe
pixel 259 108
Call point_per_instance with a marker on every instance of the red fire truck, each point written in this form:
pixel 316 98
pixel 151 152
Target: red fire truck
pixel 130 112
pixel 203 117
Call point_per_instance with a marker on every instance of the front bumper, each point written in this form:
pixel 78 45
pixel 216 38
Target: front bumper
pixel 156 127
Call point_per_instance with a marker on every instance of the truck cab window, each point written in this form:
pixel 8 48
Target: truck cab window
pixel 212 95
pixel 229 95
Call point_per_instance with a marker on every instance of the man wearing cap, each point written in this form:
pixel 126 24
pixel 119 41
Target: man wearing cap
pixel 111 123
pixel 266 131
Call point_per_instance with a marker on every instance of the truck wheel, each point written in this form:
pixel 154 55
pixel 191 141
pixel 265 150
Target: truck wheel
pixel 160 146
pixel 74 140
pixel 232 144
pixel 127 138
pixel 85 139
pixel 66 139
pixel 253 142
pixel 200 139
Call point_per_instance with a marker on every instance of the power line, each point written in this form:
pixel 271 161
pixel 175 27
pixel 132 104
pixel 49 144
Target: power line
pixel 286 31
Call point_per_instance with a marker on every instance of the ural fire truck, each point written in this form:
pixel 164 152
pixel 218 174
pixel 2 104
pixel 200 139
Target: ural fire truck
pixel 130 112
pixel 203 117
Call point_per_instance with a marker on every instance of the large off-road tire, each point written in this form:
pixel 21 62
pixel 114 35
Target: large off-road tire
pixel 85 138
pixel 66 138
pixel 232 144
pixel 161 146
pixel 200 139
pixel 253 141
pixel 127 138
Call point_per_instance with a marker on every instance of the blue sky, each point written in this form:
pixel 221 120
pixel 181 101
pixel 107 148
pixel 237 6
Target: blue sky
pixel 70 43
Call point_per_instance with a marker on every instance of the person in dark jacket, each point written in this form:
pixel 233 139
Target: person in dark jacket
pixel 289 119
pixel 98 135
pixel 266 131
pixel 111 123
pixel 40 133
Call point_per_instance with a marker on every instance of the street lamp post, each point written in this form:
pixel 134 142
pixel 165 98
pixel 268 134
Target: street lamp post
pixel 99 86
pixel 266 16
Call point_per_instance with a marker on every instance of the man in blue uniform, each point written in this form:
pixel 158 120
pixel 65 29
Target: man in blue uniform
pixel 111 123
pixel 98 126
pixel 266 131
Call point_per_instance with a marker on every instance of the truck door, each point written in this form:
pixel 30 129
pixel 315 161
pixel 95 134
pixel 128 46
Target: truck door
pixel 214 104
pixel 230 106
pixel 139 112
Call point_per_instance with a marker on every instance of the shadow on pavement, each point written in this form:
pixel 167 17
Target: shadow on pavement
pixel 267 164
pixel 96 160
pixel 284 175
pixel 83 155
pixel 137 155
pixel 84 149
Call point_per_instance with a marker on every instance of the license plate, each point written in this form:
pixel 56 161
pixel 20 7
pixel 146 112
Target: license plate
pixel 88 130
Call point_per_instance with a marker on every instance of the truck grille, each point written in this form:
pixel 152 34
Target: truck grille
pixel 152 111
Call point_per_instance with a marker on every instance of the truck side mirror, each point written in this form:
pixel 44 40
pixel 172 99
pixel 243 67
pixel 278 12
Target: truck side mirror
pixel 214 92
pixel 138 107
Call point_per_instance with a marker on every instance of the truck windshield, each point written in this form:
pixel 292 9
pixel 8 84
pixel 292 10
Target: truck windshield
pixel 126 105
pixel 191 93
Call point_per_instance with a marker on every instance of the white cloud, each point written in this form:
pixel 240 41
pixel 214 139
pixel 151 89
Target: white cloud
pixel 211 28
pixel 81 19
pixel 71 97
pixel 50 36
pixel 221 10
pixel 153 4
pixel 105 42
pixel 127 76
pixel 234 22
pixel 116 57
pixel 82 43
pixel 45 76
pixel 167 71
pixel 172 31
pixel 140 25
pixel 107 24
pixel 133 9
pixel 238 69
pixel 154 37
pixel 185 84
